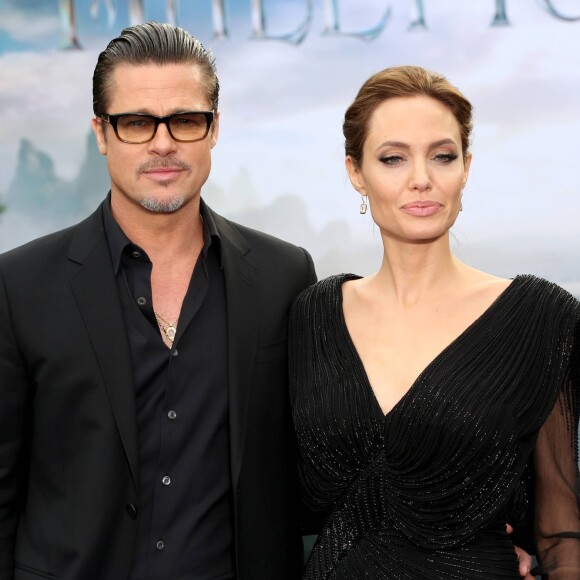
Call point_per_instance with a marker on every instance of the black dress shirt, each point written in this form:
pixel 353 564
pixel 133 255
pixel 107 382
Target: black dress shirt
pixel 184 516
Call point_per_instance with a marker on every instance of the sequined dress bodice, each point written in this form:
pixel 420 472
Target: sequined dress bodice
pixel 423 491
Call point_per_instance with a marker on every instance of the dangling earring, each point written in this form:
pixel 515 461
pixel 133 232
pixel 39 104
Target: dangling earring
pixel 363 204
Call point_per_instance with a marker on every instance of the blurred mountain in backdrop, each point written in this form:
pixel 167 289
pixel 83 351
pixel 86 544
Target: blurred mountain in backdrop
pixel 38 202
pixel 37 190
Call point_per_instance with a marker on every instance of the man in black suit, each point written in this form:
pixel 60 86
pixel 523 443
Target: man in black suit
pixel 145 431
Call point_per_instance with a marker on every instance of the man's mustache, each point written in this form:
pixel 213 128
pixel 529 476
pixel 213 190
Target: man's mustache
pixel 153 164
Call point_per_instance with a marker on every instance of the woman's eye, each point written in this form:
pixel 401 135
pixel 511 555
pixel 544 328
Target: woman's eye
pixel 391 159
pixel 446 157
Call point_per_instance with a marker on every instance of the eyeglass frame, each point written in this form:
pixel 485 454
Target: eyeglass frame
pixel 113 119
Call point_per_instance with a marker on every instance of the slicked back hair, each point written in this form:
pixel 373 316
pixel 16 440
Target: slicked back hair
pixel 152 43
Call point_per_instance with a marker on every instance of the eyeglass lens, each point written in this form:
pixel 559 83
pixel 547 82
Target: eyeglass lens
pixel 186 126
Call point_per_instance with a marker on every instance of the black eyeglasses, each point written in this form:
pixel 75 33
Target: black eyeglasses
pixel 138 128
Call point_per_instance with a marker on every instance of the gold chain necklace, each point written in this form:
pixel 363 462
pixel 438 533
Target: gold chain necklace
pixel 168 328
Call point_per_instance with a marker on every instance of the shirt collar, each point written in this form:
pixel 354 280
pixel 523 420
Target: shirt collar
pixel 210 232
pixel 120 243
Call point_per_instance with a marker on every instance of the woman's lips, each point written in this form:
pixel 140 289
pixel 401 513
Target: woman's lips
pixel 421 208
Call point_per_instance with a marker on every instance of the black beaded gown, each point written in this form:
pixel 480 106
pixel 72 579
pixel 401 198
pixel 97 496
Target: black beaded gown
pixel 423 491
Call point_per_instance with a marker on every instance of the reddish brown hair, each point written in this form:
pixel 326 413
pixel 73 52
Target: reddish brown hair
pixel 402 81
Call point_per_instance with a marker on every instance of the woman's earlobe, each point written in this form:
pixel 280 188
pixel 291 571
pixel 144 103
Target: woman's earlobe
pixel 354 175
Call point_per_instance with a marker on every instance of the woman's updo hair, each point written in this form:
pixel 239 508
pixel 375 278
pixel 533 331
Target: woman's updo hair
pixel 402 81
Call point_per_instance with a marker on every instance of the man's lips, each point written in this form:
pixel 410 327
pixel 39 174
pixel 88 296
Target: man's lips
pixel 166 170
pixel 163 173
pixel 421 208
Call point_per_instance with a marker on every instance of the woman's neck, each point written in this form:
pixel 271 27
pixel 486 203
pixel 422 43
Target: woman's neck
pixel 410 271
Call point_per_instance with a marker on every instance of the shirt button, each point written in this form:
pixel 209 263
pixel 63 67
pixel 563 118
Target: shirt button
pixel 160 545
pixel 141 301
pixel 171 414
pixel 132 510
pixel 136 254
pixel 175 353
pixel 166 480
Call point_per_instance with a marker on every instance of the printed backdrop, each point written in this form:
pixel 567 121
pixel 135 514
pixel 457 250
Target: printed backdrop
pixel 288 70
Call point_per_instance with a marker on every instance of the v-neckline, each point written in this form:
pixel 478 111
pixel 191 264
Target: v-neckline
pixel 408 393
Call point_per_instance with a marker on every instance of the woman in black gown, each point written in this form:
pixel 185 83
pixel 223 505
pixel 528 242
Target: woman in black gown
pixel 423 395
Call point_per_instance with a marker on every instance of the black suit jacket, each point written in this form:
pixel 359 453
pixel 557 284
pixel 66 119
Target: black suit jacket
pixel 68 430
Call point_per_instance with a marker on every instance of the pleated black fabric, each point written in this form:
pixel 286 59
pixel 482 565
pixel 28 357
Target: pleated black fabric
pixel 423 491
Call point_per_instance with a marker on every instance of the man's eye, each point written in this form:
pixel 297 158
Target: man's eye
pixel 189 121
pixel 135 122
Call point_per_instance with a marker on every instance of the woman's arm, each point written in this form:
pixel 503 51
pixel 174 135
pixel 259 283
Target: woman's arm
pixel 557 520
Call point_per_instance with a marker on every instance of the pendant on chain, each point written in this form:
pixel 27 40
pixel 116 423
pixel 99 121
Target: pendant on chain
pixel 170 332
pixel 167 328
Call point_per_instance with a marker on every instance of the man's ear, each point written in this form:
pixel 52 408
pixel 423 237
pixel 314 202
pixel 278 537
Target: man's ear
pixel 99 131
pixel 215 129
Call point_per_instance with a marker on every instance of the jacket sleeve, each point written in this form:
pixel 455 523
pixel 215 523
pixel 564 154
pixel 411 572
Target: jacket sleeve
pixel 14 416
pixel 311 272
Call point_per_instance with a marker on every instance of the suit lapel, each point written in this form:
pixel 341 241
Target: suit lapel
pixel 95 290
pixel 96 294
pixel 243 308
